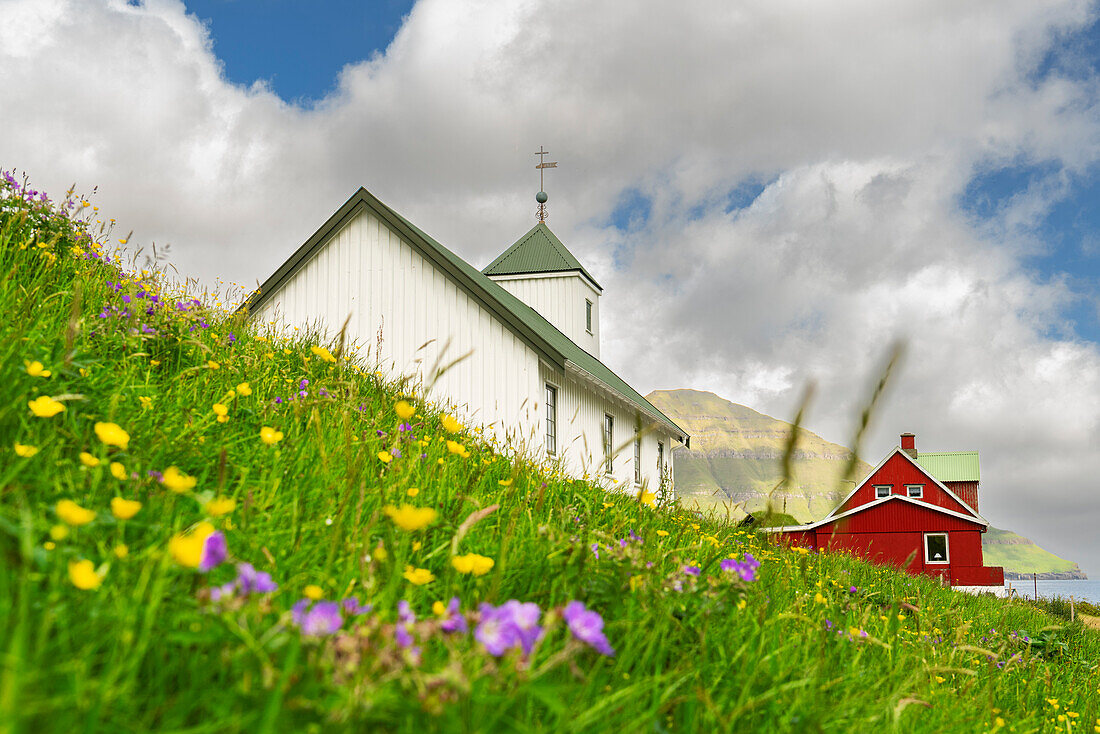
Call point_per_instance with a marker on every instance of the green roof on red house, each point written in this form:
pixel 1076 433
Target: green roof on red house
pixel 951 466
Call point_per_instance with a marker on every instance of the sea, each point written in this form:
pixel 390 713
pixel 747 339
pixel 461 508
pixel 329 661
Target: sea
pixel 1085 589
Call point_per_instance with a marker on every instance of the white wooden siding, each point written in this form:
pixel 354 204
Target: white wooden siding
pixel 560 298
pixel 368 272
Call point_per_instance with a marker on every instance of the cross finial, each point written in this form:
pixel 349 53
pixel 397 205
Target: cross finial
pixel 541 196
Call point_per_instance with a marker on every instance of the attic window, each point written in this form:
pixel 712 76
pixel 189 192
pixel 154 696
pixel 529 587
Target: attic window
pixel 935 548
pixel 882 490
pixel 914 490
pixel 588 315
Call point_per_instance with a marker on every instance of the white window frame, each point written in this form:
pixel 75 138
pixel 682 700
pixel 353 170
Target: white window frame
pixel 588 315
pixel 551 400
pixel 946 549
pixel 608 443
pixel 918 487
pixel 637 460
pixel 889 490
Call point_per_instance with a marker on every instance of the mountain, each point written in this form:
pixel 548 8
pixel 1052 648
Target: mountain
pixel 735 461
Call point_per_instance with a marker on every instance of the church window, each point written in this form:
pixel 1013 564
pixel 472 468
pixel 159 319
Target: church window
pixel 608 439
pixel 551 419
pixel 588 315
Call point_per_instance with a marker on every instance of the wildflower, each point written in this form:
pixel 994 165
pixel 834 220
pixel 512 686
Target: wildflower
pixel 34 369
pixel 647 498
pixel 220 506
pixel 496 631
pixel 323 353
pixel 83 575
pixel 59 532
pixel 88 460
pixel 124 509
pixel 380 553
pixel 456 448
pixel 402 631
pixel 587 626
pixel 121 550
pixel 270 436
pixel 177 481
pixel 411 518
pixel 250 581
pixel 313 591
pixel 404 410
pixel 472 563
pixel 323 618
pixel 211 364
pixel 25 451
pixel 450 425
pixel 412 491
pixel 201 547
pixel 819 599
pixel 662 533
pixel 385 457
pixel 418 576
pixel 222 412
pixel 526 619
pixel 596 550
pixel 73 514
pixel 118 471
pixel 112 435
pixel 244 389
pixel 692 570
pixel 352 606
pixel 45 407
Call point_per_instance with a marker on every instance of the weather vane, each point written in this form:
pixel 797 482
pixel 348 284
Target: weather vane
pixel 541 196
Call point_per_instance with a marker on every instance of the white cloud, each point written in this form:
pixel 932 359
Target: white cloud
pixel 867 119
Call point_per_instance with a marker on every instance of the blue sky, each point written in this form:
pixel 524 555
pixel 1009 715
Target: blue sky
pixel 298 46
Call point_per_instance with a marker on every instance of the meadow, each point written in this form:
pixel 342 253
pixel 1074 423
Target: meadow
pixel 207 527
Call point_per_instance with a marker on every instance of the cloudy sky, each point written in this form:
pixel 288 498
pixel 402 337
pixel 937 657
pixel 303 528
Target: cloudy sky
pixel 770 191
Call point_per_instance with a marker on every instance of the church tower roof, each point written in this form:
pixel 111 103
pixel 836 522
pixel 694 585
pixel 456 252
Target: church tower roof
pixel 538 251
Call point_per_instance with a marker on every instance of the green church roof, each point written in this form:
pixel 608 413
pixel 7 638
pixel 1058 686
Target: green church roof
pixel 538 251
pixel 545 338
pixel 951 466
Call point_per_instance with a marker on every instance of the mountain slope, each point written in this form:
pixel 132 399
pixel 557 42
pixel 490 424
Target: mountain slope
pixel 735 461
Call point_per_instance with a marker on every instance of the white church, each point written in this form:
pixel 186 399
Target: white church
pixel 527 327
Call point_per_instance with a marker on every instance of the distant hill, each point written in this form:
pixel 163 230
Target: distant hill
pixel 734 462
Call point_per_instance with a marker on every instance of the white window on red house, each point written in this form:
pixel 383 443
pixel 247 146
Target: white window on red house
pixel 935 548
pixel 882 490
pixel 914 490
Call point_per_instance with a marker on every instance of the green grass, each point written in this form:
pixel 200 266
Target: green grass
pixel 147 651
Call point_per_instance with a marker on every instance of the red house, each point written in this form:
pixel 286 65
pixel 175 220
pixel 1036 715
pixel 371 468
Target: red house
pixel 915 511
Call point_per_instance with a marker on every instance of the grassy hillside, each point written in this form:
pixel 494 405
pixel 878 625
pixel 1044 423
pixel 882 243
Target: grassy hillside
pixel 1020 555
pixel 206 529
pixel 736 453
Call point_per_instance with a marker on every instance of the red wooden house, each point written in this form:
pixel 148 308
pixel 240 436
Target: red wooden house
pixel 915 511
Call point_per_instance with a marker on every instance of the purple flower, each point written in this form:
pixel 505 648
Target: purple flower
pixel 323 618
pixel 231 338
pixel 455 621
pixel 352 606
pixel 155 475
pixel 525 617
pixel 622 542
pixel 252 581
pixel 596 550
pixel 745 569
pixel 634 536
pixel 322 392
pixel 224 591
pixel 852 589
pixel 214 551
pixel 403 629
pixel 496 631
pixel 278 400
pixel 587 626
pixel 395 453
pixel 302 385
pixel 404 427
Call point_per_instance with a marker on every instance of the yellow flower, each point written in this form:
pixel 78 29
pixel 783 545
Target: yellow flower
pixel 472 563
pixel 112 435
pixel 73 514
pixel 25 451
pixel 418 576
pixel 124 509
pixel 385 457
pixel 940 679
pixel 450 425
pixel 647 498
pixel 417 545
pixel 380 553
pixel 270 436
pixel 404 410
pixel 439 609
pixel 818 598
pixel 118 471
pixel 83 575
pixel 34 369
pixel 455 447
pixel 121 550
pixel 412 491
pixel 146 401
pixel 59 532
pixel 222 412
pixel 45 407
pixel 177 481
pixel 741 604
pixel 186 548
pixel 220 506
pixel 662 533
pixel 410 518
pixel 244 389
pixel 323 354
pixel 49 545
pixel 313 591
pixel 154 362
pixel 504 482
pixel 211 364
